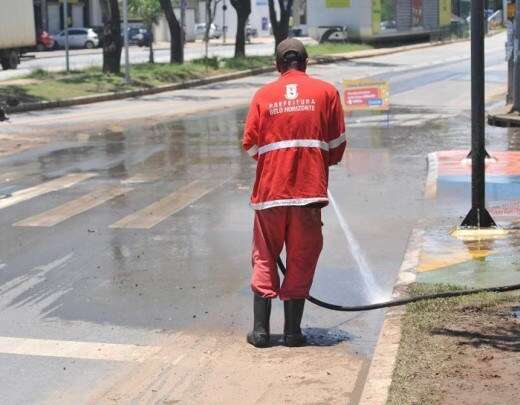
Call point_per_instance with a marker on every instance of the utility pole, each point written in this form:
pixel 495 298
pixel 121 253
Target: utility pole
pixel 66 23
pixel 125 36
pixel 510 59
pixel 45 15
pixel 478 216
pixel 516 60
pixel 224 28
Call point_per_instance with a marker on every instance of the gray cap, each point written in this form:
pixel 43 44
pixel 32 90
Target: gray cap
pixel 291 45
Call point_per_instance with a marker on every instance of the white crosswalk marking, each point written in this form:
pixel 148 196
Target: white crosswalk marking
pixel 76 350
pixel 157 212
pixel 74 207
pixel 44 188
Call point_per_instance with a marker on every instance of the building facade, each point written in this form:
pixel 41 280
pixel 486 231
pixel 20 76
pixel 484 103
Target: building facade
pixel 226 17
pixel 374 19
pixel 50 14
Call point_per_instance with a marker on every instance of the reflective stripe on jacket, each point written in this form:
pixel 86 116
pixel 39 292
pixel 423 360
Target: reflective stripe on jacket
pixel 295 128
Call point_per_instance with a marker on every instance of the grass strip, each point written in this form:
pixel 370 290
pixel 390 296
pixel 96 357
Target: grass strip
pixel 42 85
pixel 335 48
pixel 429 354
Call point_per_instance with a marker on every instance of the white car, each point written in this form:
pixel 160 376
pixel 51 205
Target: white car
pixel 214 31
pixel 78 38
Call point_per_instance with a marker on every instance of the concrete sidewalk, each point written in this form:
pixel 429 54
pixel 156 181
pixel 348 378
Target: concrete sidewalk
pixel 504 117
pixel 435 257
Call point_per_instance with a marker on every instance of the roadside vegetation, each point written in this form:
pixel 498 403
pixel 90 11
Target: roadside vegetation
pixel 458 349
pixel 335 48
pixel 43 85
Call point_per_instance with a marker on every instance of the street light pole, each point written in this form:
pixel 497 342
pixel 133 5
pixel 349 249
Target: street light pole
pixel 224 28
pixel 478 216
pixel 125 36
pixel 66 24
pixel 516 60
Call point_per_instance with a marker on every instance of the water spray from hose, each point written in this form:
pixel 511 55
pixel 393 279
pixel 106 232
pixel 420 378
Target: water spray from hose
pixel 371 286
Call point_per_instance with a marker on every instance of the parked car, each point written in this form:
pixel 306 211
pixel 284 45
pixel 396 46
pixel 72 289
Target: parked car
pixel 79 38
pixel 214 31
pixel 251 32
pixel 144 38
pixel 133 34
pixel 44 41
pixel 487 13
pixel 100 31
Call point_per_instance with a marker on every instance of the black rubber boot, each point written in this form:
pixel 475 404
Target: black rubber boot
pixel 292 335
pixel 259 337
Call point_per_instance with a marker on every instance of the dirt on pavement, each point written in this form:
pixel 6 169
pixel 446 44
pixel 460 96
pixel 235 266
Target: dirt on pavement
pixel 199 367
pixel 462 351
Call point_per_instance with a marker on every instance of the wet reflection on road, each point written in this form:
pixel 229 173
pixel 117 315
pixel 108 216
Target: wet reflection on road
pixel 190 265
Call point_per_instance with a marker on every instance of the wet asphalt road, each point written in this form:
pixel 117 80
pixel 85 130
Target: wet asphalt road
pixel 152 235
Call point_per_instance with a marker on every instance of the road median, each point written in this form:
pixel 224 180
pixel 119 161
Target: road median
pixel 47 90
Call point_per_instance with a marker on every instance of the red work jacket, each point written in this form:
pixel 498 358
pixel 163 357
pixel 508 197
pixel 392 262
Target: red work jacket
pixel 295 128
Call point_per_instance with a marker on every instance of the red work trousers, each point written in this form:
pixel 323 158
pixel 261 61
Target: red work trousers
pixel 299 228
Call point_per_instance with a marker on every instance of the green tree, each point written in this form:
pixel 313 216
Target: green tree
pixel 280 26
pixel 149 11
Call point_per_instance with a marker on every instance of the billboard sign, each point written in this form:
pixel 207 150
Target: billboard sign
pixel 444 13
pixel 366 95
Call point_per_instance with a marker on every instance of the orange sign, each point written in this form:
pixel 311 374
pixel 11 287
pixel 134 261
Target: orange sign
pixel 366 95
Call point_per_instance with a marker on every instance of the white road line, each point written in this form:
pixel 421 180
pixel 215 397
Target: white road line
pixel 141 178
pixel 73 208
pixel 44 188
pixel 76 349
pixel 157 212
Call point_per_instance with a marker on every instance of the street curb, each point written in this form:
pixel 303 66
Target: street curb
pixel 44 105
pixel 503 117
pixel 379 378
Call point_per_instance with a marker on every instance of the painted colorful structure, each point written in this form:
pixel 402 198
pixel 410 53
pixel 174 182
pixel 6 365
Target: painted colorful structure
pixel 379 19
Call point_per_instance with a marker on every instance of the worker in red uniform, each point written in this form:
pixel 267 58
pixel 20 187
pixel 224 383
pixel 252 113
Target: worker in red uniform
pixel 295 130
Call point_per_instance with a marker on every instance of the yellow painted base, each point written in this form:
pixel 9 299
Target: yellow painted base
pixel 470 234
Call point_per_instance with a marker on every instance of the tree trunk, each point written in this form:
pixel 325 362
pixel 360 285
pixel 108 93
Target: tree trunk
pixel 280 27
pixel 112 37
pixel 150 55
pixel 176 45
pixel 208 27
pixel 243 9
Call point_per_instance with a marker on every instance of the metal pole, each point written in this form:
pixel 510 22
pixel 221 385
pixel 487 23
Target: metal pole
pixel 45 15
pixel 224 8
pixel 516 61
pixel 66 23
pixel 125 28
pixel 478 215
pixel 510 59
